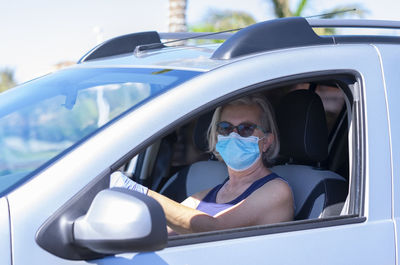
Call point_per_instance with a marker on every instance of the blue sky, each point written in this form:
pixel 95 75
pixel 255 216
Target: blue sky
pixel 35 35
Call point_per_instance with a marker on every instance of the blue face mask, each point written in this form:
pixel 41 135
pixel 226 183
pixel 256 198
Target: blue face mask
pixel 239 153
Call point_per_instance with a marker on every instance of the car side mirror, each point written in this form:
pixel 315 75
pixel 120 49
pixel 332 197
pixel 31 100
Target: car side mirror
pixel 103 222
pixel 121 220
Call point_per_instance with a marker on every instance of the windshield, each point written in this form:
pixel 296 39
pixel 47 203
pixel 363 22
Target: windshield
pixel 43 118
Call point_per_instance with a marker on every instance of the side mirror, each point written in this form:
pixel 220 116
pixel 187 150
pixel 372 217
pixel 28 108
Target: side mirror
pixel 103 222
pixel 120 220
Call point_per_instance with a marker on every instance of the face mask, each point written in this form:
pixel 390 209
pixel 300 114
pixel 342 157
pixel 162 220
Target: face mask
pixel 239 153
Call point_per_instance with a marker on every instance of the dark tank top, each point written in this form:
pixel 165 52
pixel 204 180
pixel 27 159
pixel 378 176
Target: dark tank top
pixel 209 203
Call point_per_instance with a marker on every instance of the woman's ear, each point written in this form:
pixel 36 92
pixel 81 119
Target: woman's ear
pixel 268 140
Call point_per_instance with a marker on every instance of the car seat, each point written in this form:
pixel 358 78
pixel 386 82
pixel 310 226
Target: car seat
pixel 200 175
pixel 304 148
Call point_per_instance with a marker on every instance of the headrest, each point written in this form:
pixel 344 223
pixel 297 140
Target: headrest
pixel 302 127
pixel 200 131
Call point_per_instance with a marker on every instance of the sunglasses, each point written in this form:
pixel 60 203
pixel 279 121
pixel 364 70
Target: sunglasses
pixel 244 129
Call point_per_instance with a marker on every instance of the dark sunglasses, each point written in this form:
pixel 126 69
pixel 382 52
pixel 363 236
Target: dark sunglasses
pixel 244 129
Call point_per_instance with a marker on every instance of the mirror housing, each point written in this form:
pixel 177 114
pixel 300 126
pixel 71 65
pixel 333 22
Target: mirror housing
pixel 121 220
pixel 116 220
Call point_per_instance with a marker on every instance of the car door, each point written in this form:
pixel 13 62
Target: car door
pixel 5 236
pixel 363 237
pixel 390 54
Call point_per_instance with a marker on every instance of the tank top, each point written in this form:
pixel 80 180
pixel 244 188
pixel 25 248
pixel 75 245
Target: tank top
pixel 209 203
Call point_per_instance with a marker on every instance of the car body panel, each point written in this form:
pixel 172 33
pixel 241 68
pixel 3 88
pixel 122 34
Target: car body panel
pixel 5 230
pixel 390 57
pixel 142 125
pixel 314 246
pixel 378 174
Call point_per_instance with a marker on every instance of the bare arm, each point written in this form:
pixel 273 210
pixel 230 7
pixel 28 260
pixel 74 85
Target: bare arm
pixel 271 203
pixel 191 202
pixel 179 216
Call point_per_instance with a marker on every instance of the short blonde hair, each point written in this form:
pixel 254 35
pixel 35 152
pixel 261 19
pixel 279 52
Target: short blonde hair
pixel 268 124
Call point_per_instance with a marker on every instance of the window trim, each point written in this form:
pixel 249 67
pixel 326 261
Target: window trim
pixel 251 231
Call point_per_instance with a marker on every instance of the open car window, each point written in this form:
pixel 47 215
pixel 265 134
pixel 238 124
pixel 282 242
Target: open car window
pixel 167 165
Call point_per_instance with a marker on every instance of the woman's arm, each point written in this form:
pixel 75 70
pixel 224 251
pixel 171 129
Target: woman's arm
pixel 191 202
pixel 180 217
pixel 272 203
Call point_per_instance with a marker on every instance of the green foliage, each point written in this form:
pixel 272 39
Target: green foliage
pixel 300 8
pixel 282 9
pixel 6 79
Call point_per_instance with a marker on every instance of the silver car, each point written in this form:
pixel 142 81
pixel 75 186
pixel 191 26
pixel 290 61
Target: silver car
pixel 142 106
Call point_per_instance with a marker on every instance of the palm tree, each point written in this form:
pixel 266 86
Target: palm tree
pixel 281 8
pixel 6 79
pixel 177 16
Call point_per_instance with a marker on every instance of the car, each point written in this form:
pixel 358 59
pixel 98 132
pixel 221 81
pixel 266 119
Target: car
pixel 142 106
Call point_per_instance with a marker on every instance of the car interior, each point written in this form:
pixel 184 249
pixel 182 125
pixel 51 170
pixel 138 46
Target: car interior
pixel 313 118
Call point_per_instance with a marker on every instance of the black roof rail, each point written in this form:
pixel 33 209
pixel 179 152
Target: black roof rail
pixel 295 32
pixel 270 35
pixel 353 23
pixel 264 36
pixel 122 44
pixel 314 23
pixel 196 35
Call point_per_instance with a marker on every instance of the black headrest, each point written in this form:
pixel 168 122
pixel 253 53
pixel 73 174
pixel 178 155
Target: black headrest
pixel 200 131
pixel 302 127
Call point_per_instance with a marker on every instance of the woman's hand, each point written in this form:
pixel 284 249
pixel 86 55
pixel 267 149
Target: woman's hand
pixel 117 179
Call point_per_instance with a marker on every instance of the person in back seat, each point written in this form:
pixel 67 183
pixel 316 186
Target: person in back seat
pixel 244 135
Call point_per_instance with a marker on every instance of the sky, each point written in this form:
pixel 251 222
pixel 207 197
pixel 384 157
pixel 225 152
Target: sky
pixel 36 35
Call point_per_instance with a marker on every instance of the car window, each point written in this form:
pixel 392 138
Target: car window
pixel 187 145
pixel 47 116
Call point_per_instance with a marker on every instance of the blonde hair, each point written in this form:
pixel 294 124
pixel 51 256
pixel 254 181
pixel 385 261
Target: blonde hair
pixel 268 124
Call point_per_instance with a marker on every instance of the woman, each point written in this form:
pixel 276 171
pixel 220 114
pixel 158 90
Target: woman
pixel 243 134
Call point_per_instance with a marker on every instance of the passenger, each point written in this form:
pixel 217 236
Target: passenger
pixel 243 134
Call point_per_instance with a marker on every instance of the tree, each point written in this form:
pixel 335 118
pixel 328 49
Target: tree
pixel 6 79
pixel 281 8
pixel 177 16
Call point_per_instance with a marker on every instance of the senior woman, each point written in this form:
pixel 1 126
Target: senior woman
pixel 243 134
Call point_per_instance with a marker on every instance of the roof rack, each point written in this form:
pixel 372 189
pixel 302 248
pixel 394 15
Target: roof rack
pixel 292 32
pixel 270 35
pixel 141 41
pixel 196 35
pixel 353 23
pixel 297 32
pixel 314 23
pixel 123 44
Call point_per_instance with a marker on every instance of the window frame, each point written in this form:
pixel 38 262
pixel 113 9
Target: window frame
pixel 356 190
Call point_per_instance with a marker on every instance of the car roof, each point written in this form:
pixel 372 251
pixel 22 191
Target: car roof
pixel 145 49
